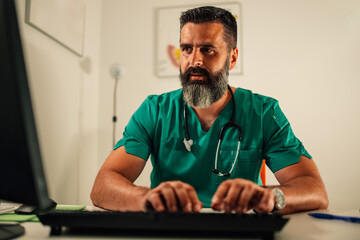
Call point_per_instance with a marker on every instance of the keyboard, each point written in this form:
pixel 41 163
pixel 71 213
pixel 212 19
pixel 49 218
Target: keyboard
pixel 164 223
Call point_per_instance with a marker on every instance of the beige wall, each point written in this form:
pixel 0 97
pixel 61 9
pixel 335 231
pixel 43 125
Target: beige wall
pixel 65 96
pixel 304 53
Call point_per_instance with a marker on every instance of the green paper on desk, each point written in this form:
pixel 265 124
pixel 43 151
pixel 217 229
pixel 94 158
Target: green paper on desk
pixel 70 207
pixel 12 217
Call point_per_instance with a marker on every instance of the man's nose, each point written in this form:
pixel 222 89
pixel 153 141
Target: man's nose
pixel 196 58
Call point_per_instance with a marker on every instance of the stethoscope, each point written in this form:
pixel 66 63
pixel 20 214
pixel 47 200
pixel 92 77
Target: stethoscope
pixel 188 142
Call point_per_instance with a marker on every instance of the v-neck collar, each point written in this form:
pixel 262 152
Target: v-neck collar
pixel 221 119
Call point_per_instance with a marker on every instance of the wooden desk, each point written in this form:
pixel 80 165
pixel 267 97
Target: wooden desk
pixel 301 226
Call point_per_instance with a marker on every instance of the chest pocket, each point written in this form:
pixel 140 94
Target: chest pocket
pixel 247 166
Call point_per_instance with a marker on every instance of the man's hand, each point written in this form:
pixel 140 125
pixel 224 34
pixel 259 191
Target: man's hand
pixel 241 195
pixel 172 196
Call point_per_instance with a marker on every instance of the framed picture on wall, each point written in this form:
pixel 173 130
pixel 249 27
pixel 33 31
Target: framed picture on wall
pixel 167 36
pixel 61 21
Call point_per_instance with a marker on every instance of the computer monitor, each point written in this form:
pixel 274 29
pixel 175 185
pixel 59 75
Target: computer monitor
pixel 22 177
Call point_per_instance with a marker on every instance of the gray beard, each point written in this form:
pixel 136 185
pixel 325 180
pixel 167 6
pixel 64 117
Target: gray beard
pixel 203 94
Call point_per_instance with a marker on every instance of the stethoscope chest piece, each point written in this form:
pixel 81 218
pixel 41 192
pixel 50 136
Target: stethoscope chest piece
pixel 188 144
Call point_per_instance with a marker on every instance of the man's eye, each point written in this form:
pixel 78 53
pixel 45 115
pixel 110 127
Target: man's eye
pixel 208 51
pixel 186 49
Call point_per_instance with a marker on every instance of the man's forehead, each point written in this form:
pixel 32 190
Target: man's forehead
pixel 190 26
pixel 207 32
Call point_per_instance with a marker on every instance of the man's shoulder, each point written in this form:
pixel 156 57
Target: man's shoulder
pixel 158 105
pixel 165 98
pixel 247 95
pixel 163 102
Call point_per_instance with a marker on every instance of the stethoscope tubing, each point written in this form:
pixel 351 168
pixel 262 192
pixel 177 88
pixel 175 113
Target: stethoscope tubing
pixel 188 142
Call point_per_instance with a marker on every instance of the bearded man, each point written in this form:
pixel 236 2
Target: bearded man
pixel 207 140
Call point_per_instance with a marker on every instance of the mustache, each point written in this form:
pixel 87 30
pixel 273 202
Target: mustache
pixel 192 70
pixel 197 70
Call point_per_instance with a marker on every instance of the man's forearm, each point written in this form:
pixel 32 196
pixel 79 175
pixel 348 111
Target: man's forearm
pixel 302 186
pixel 114 192
pixel 304 193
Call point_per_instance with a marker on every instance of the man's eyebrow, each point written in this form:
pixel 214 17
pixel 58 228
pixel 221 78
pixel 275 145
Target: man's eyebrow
pixel 207 45
pixel 185 45
pixel 198 45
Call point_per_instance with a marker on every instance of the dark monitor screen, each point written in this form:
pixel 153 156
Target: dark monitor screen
pixel 22 177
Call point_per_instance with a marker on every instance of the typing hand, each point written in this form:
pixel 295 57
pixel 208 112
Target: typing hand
pixel 241 195
pixel 172 196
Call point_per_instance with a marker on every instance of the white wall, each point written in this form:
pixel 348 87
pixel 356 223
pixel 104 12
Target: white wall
pixel 65 96
pixel 304 53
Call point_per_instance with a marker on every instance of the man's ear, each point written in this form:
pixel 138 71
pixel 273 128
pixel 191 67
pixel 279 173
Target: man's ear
pixel 233 57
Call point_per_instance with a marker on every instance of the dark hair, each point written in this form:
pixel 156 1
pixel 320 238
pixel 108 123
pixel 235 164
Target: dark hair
pixel 213 14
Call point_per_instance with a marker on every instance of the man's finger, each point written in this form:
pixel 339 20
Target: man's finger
pixel 173 196
pixel 183 199
pixel 266 203
pixel 195 202
pixel 231 200
pixel 154 203
pixel 246 196
pixel 217 199
pixel 168 193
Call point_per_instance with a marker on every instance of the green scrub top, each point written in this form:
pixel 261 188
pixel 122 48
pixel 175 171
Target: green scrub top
pixel 157 129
